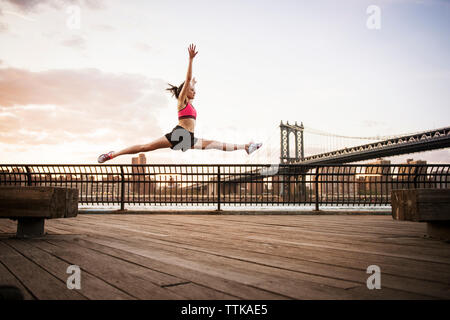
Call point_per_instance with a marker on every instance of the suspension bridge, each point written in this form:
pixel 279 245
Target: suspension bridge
pixel 298 144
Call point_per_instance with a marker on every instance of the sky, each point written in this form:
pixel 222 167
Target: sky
pixel 83 77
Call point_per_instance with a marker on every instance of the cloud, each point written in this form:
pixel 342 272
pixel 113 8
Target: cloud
pixel 95 4
pixel 27 6
pixel 63 106
pixel 104 28
pixel 3 27
pixel 76 42
pixel 35 5
pixel 21 16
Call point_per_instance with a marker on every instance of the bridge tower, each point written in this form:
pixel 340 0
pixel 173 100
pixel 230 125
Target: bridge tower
pixel 298 192
pixel 285 131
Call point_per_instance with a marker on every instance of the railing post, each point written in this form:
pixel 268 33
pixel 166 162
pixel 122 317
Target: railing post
pixel 417 173
pixel 122 191
pixel 28 176
pixel 218 188
pixel 415 179
pixel 317 189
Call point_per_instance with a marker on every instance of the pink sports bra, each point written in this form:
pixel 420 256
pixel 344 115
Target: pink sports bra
pixel 187 112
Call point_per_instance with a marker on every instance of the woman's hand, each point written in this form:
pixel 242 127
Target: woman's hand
pixel 192 52
pixel 183 92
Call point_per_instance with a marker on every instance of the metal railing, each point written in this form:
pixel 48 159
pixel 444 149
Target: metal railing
pixel 219 185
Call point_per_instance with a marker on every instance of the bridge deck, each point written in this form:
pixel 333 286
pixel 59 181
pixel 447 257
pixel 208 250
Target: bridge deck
pixel 226 257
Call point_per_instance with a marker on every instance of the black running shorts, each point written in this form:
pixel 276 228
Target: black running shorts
pixel 181 139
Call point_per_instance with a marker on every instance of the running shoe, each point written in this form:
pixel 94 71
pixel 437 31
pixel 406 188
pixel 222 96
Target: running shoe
pixel 253 147
pixel 105 157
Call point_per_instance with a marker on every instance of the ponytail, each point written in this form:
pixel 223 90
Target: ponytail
pixel 175 90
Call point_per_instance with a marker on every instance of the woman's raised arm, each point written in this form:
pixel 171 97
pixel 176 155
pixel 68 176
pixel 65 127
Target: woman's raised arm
pixel 192 54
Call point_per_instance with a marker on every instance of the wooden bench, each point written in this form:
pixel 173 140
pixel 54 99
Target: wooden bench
pixel 32 205
pixel 424 205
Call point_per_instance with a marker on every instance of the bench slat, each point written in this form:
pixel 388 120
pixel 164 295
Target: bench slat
pixel 38 202
pixel 421 204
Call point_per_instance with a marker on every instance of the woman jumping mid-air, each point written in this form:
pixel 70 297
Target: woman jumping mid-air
pixel 182 136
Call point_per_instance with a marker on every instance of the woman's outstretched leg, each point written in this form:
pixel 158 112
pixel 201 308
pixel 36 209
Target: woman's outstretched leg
pixel 217 145
pixel 159 143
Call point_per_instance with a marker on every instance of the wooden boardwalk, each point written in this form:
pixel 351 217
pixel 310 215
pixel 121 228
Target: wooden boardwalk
pixel 125 256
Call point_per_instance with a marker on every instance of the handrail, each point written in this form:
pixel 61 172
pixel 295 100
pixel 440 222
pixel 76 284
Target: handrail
pixel 230 184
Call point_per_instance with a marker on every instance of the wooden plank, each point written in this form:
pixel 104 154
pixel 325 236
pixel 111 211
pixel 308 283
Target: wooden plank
pixel 139 282
pixel 233 288
pixel 52 229
pixel 8 279
pixel 433 195
pixel 317 227
pixel 231 269
pixel 290 256
pixel 245 269
pixel 355 233
pixel 38 202
pixel 316 253
pixel 194 291
pixel 347 225
pixel 331 242
pixel 311 236
pixel 8 226
pixel 148 242
pixel 40 283
pixel 421 204
pixel 346 243
pixel 324 269
pixel 419 269
pixel 91 286
pixel 397 282
pixel 295 289
pixel 381 294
